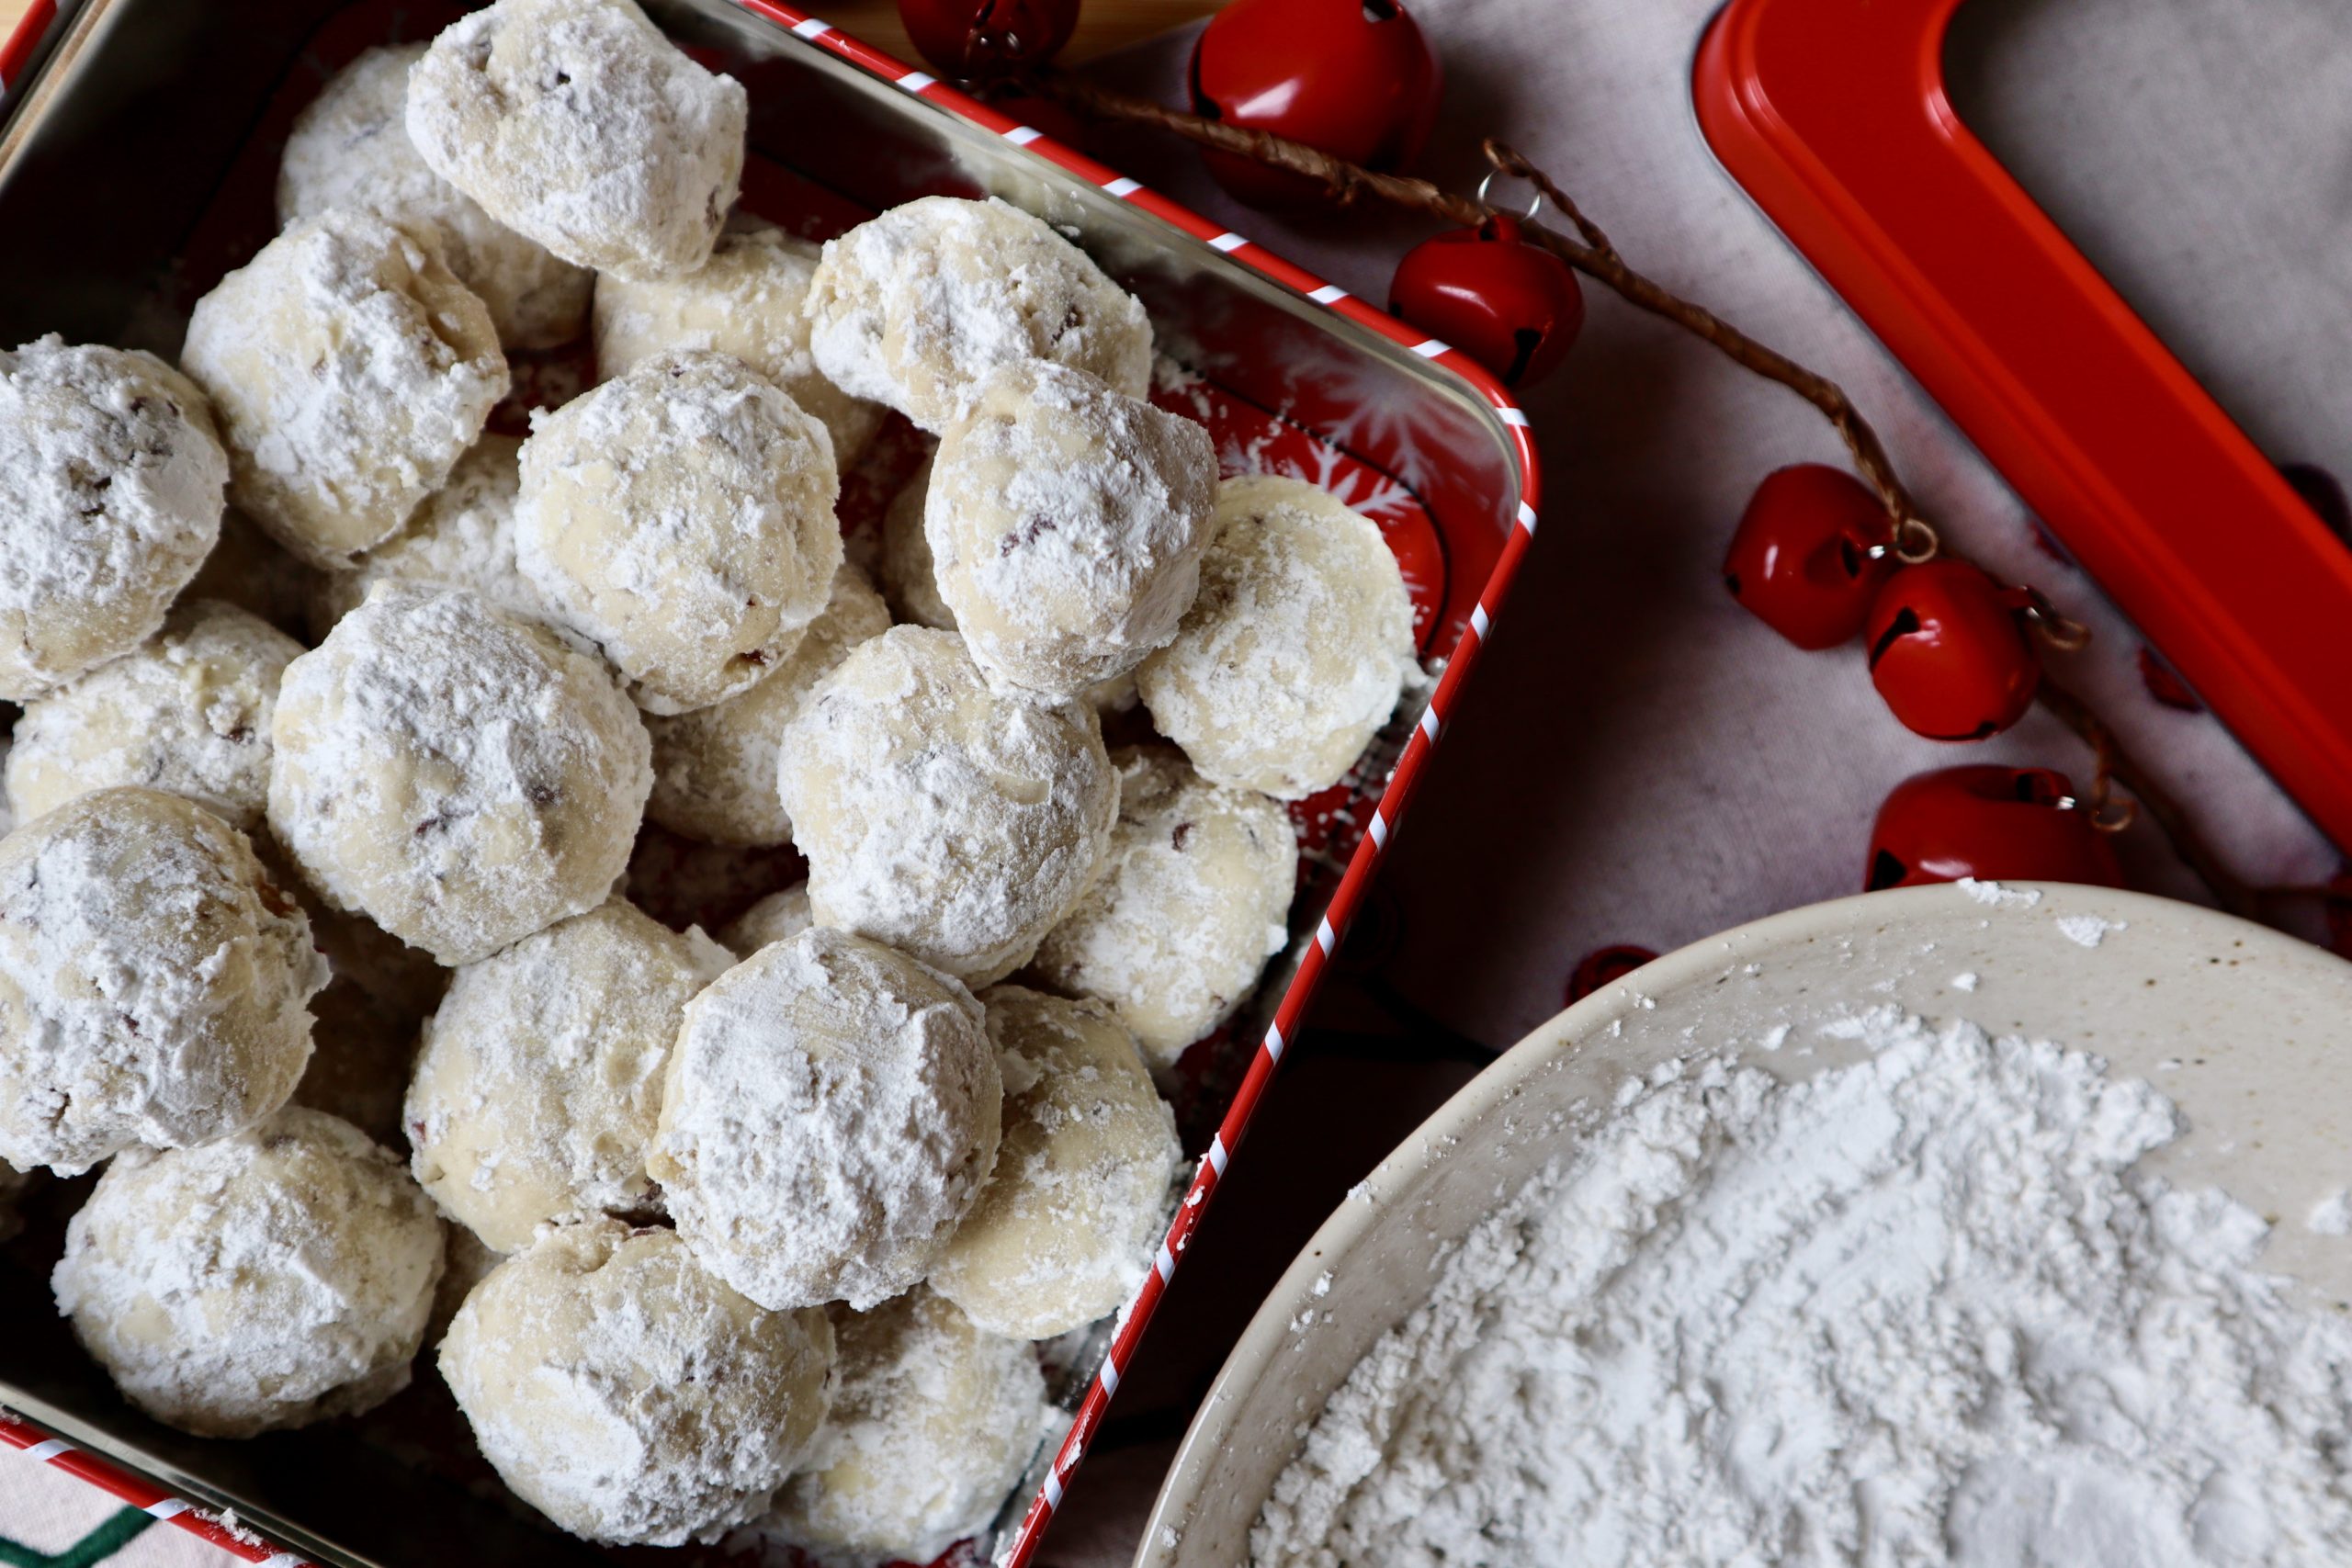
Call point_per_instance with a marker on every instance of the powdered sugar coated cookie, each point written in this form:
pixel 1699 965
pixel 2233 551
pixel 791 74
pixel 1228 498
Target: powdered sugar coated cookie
pixel 187 712
pixel 265 1281
pixel 152 981
pixel 715 769
pixel 779 917
pixel 745 301
pixel 914 308
pixel 1191 904
pixel 1066 523
pixel 459 774
pixel 829 1113
pixel 540 1079
pixel 577 123
pixel 349 371
pixel 350 148
pixel 681 516
pixel 932 1424
pixel 623 1391
pixel 1295 651
pixel 462 536
pixel 1063 1231
pixel 954 823
pixel 114 474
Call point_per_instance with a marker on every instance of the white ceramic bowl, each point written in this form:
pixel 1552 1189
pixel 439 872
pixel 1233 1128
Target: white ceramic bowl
pixel 2249 1032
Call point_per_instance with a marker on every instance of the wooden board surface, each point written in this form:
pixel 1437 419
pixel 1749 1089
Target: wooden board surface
pixel 1102 25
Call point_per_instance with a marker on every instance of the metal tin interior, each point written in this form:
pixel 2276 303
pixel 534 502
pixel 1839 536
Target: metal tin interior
pixel 112 170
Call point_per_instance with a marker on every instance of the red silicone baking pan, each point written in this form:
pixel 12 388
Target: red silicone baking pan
pixel 137 156
pixel 1833 115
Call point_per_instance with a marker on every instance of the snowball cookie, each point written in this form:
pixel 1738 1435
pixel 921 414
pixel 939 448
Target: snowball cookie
pixel 349 370
pixel 540 1079
pixel 350 148
pixel 914 308
pixel 715 769
pixel 827 1118
pixel 266 1279
pixel 779 917
pixel 457 774
pixel 904 566
pixel 625 1392
pixel 575 122
pixel 911 591
pixel 113 477
pixel 1193 901
pixel 152 981
pixel 462 536
pixel 187 712
pixel 954 823
pixel 682 516
pixel 1298 648
pixel 934 1422
pixel 745 301
pixel 1066 523
pixel 1063 1229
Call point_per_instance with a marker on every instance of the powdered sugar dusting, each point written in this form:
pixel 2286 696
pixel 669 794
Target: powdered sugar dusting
pixel 457 774
pixel 1066 524
pixel 153 981
pixel 2087 930
pixel 829 1113
pixel 1993 895
pixel 1918 1309
pixel 349 371
pixel 939 816
pixel 577 123
pixel 913 308
pixel 263 1281
pixel 114 478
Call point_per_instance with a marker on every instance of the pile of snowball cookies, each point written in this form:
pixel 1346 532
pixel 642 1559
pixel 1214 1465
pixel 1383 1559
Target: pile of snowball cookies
pixel 760 1233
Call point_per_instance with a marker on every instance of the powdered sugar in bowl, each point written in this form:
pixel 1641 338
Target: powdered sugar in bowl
pixel 1903 1228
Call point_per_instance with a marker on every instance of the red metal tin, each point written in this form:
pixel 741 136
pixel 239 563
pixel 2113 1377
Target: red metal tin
pixel 1291 374
pixel 1833 115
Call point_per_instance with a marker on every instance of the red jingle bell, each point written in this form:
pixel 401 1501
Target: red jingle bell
pixel 1810 554
pixel 1513 307
pixel 1993 823
pixel 1604 966
pixel 969 39
pixel 1948 652
pixel 1353 78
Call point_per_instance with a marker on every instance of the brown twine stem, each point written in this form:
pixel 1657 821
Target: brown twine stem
pixel 1505 161
pixel 2118 765
pixel 2107 816
pixel 1598 261
pixel 1590 253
